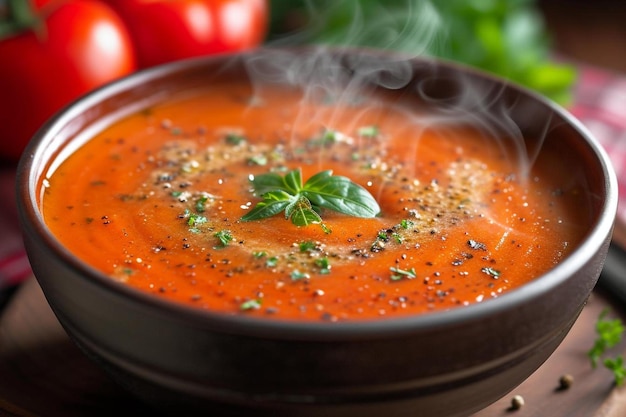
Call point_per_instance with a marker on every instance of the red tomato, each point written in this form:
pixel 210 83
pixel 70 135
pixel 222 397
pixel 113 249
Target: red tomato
pixel 81 45
pixel 165 30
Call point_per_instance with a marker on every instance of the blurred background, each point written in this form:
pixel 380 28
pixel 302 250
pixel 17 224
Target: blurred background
pixel 518 39
pixel 592 32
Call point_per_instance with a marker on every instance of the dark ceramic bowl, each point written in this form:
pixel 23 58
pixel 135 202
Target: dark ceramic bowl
pixel 179 359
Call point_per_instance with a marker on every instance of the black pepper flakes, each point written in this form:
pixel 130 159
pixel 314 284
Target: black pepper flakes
pixel 476 245
pixel 328 317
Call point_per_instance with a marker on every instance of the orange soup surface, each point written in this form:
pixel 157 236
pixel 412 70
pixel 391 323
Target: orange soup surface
pixel 156 201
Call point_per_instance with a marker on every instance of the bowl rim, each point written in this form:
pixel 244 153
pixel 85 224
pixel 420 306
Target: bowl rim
pixel 32 221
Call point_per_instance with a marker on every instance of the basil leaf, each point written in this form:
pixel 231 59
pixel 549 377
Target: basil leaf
pixel 293 180
pixel 269 207
pixel 318 178
pixel 303 204
pixel 300 203
pixel 340 194
pixel 278 195
pixel 269 182
pixel 303 216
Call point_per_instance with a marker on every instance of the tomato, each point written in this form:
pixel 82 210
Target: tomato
pixel 164 31
pixel 80 45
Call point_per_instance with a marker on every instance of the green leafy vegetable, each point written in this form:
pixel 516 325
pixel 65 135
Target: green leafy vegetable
pixel 508 38
pixel 302 203
pixel 617 367
pixel 609 334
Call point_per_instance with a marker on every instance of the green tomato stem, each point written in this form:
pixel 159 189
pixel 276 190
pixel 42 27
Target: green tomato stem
pixel 18 16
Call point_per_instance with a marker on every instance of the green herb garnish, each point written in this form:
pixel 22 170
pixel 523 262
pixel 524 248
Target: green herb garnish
pixel 258 160
pixel 609 335
pixel 302 203
pixel 617 367
pixel 368 131
pixel 399 274
pixel 297 275
pixel 201 204
pixel 195 220
pixel 323 264
pixel 271 262
pixel 329 136
pixel 251 304
pixel 494 273
pixel 306 246
pixel 235 139
pixel 405 224
pixel 224 237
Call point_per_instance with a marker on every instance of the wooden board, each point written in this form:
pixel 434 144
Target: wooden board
pixel 43 374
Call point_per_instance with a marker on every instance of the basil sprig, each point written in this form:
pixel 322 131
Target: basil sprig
pixel 303 203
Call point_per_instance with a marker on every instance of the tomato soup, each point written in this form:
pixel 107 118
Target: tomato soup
pixel 158 201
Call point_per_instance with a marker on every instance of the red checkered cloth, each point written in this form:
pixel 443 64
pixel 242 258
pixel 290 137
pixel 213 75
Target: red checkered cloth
pixel 599 102
pixel 14 266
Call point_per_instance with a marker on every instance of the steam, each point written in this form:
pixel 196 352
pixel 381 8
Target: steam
pixel 451 97
pixel 411 26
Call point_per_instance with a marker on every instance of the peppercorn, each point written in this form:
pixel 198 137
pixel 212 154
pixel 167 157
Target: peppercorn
pixel 566 381
pixel 517 402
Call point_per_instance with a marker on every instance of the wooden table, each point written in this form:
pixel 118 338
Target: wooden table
pixel 43 374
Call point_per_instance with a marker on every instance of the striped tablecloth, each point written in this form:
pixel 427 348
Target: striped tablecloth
pixel 599 102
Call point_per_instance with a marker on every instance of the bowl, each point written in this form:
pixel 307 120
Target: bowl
pixel 180 359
